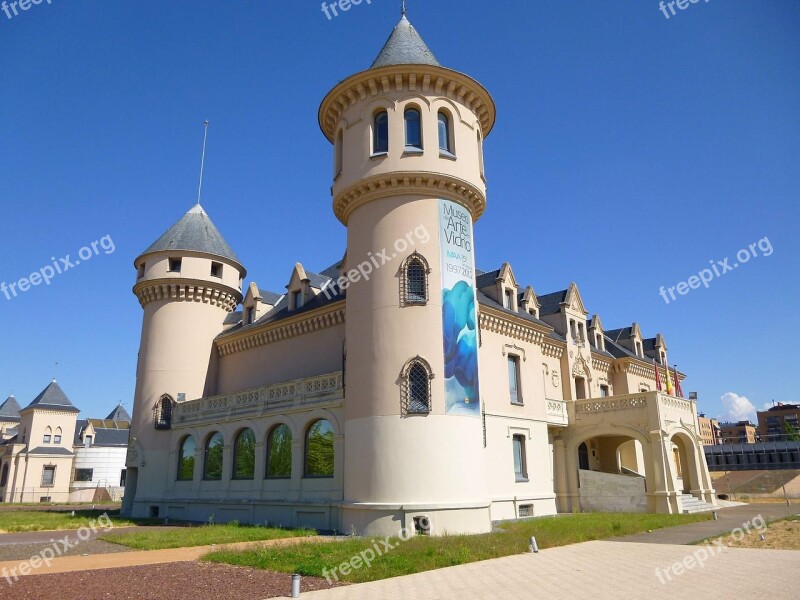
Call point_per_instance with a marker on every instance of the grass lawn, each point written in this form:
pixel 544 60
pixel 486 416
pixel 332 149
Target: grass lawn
pixel 201 535
pixel 423 553
pixel 30 520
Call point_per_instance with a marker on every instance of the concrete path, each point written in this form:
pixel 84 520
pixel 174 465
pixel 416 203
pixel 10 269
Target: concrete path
pixel 597 570
pixel 729 519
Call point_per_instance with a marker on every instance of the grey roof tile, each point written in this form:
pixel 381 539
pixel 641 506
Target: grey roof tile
pixel 119 414
pixel 9 410
pixel 194 232
pixel 550 304
pixel 487 301
pixel 52 451
pixel 52 397
pixel 405 47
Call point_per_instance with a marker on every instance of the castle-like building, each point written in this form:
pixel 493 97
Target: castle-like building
pixel 400 387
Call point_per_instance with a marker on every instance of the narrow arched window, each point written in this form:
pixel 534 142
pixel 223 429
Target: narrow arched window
pixel 319 449
pixel 413 129
pixel 279 453
pixel 445 133
pixel 186 459
pixel 337 149
pixel 162 412
pixel 380 133
pixel 244 455
pixel 414 275
pixel 417 387
pixel 480 153
pixel 212 457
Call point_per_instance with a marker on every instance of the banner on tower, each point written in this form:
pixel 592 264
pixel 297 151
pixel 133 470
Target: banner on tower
pixel 459 310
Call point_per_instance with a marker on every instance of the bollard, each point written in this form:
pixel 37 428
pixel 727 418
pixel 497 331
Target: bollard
pixel 73 513
pixel 295 586
pixel 716 516
pixel 534 546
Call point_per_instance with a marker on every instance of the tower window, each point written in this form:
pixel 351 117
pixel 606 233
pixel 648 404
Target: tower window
pixel 141 271
pixel 337 153
pixel 216 269
pixel 413 129
pixel 417 387
pixel 380 133
pixel 162 412
pixel 445 133
pixel 414 280
pixel 175 265
pixel 480 154
pixel 520 460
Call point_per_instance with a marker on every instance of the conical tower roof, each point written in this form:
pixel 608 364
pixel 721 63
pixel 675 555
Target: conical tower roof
pixel 405 47
pixel 196 233
pixel 119 414
pixel 9 410
pixel 54 398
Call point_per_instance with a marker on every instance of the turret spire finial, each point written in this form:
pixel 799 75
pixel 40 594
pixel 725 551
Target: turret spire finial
pixel 403 7
pixel 202 161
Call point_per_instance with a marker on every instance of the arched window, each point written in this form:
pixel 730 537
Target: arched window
pixel 413 128
pixel 414 282
pixel 244 455
pixel 480 153
pixel 212 457
pixel 319 449
pixel 416 384
pixel 186 459
pixel 4 476
pixel 57 436
pixel 162 412
pixel 445 133
pixel 48 435
pixel 279 453
pixel 338 147
pixel 380 133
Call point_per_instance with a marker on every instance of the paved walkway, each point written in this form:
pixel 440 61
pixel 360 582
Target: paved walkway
pixel 729 519
pixel 67 564
pixel 597 570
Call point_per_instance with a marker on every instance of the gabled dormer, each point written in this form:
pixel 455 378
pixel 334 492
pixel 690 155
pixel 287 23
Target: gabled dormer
pixel 501 286
pixel 629 338
pixel 257 303
pixel 303 287
pixel 596 337
pixel 529 302
pixel 656 348
pixel 565 312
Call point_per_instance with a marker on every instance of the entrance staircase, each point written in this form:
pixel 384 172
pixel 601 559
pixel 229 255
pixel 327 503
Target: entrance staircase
pixel 691 504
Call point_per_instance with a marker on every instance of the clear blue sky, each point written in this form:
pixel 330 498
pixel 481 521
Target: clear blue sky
pixel 630 150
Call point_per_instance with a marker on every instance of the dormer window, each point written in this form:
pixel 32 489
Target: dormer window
pixel 216 269
pixel 639 351
pixel 249 316
pixel 174 265
pixel 297 299
pixel 508 299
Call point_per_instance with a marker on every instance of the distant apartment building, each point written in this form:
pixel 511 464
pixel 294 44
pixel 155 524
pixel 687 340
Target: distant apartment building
pixel 741 432
pixel 709 430
pixel 779 423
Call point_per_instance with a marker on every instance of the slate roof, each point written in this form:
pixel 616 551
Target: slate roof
pixel 550 304
pixel 51 450
pixel 405 47
pixel 487 301
pixel 103 436
pixel 618 351
pixel 52 397
pixel 317 280
pixel 119 414
pixel 619 334
pixel 486 279
pixel 9 410
pixel 269 297
pixel 194 232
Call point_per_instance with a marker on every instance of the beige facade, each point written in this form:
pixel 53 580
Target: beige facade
pixel 709 430
pixel 331 405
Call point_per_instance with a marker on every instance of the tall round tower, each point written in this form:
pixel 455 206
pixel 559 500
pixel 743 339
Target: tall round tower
pixel 187 282
pixel 408 185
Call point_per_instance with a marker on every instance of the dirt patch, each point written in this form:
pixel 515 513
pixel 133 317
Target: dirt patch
pixel 176 581
pixel 783 535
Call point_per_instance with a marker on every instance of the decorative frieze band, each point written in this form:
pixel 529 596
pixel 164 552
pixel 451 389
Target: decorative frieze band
pixel 506 327
pixel 436 185
pixel 186 291
pixel 281 331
